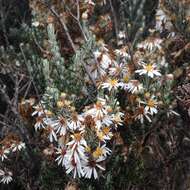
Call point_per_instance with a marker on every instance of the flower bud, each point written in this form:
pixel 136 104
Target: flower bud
pixel 147 95
pixel 85 15
pixel 169 77
pixel 60 104
pixel 63 95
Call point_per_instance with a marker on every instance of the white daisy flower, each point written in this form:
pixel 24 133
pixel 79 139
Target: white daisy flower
pixel 101 152
pixel 18 146
pixel 122 52
pixel 117 69
pixel 106 120
pixel 98 111
pixel 104 134
pixel 103 58
pixel 162 21
pixel 3 153
pixel 61 125
pixel 75 122
pixel 78 154
pixel 150 44
pixel 149 69
pixel 134 86
pixel 117 118
pixel 6 176
pixel 90 169
pixel 77 139
pixel 111 84
pixel 77 169
pixel 151 105
pixel 61 159
pixel 38 110
pixel 51 133
pixel 39 123
pixel 141 114
pixel 98 68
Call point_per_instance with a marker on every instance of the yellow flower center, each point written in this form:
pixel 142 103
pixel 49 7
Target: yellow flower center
pixel 98 105
pixel 49 113
pixel 77 136
pixel 106 130
pixel 98 152
pixel 113 82
pixel 147 95
pixel 60 104
pixel 151 103
pixel 88 149
pixel 109 109
pixel 67 102
pixel 100 135
pixel 126 78
pixel 149 67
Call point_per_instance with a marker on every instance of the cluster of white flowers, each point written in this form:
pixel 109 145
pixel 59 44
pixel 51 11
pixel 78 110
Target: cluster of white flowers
pixel 139 81
pixel 9 146
pixel 80 140
pixel 163 21
pixel 6 150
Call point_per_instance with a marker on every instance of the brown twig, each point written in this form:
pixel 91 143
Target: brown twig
pixel 115 21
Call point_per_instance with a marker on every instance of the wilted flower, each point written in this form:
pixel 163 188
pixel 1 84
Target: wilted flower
pixel 150 44
pixel 134 86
